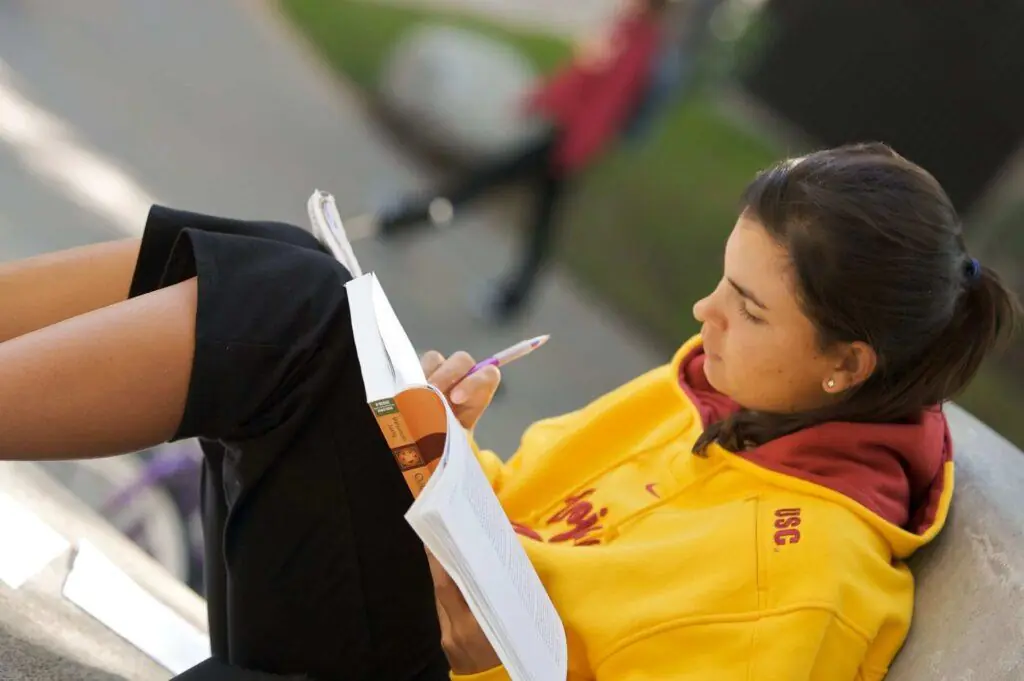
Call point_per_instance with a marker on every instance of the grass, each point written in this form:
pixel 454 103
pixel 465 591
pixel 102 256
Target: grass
pixel 645 229
pixel 648 227
pixel 355 36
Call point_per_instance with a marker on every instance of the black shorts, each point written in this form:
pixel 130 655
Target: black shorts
pixel 310 565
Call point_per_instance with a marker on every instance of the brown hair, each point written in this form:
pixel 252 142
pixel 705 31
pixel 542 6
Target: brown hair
pixel 878 256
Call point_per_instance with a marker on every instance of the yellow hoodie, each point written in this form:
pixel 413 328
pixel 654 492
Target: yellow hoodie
pixel 784 563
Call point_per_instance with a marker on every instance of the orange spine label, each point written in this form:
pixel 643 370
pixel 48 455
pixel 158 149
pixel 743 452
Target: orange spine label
pixel 415 469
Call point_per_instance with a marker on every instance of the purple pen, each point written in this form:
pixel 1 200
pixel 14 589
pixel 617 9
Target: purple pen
pixel 510 354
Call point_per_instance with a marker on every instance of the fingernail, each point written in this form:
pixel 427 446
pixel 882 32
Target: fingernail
pixel 458 396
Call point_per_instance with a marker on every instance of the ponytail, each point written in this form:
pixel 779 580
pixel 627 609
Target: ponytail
pixel 984 320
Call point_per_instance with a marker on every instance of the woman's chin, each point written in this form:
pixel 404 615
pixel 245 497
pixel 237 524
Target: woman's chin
pixel 710 366
pixel 713 372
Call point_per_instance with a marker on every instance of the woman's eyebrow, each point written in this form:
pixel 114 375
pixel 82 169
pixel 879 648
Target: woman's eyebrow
pixel 747 294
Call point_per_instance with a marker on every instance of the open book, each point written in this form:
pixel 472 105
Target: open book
pixel 455 512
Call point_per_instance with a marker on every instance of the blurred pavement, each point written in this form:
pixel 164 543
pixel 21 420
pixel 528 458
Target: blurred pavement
pixel 217 107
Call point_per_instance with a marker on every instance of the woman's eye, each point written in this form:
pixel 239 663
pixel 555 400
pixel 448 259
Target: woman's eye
pixel 749 317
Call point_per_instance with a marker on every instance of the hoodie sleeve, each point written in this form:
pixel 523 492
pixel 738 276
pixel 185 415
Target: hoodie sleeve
pixel 536 442
pixel 495 674
pixel 494 467
pixel 806 644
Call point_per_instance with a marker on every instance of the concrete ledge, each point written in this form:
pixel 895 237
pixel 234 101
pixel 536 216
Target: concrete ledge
pixel 970 581
pixel 43 636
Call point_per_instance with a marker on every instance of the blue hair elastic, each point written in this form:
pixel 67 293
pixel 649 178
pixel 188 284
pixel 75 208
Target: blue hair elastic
pixel 973 270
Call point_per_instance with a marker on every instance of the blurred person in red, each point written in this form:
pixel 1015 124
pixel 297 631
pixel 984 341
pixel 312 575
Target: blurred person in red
pixel 610 88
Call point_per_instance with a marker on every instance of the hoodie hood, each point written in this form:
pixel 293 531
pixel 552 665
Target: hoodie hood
pixel 898 476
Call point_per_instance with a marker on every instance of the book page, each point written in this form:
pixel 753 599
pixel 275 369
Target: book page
pixel 404 358
pixel 482 553
pixel 379 377
pixel 487 511
pixel 329 230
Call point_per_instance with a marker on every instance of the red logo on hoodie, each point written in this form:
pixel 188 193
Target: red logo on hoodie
pixel 580 517
pixel 787 520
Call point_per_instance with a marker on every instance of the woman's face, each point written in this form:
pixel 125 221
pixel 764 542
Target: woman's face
pixel 762 351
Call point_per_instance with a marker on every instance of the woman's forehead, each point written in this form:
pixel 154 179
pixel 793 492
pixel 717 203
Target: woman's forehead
pixel 758 263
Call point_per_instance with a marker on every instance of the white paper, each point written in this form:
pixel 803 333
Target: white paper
pixel 329 230
pixel 487 511
pixel 461 520
pixel 27 544
pixel 104 591
pixel 403 355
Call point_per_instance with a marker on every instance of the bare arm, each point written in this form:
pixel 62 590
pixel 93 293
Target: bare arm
pixel 111 380
pixel 43 290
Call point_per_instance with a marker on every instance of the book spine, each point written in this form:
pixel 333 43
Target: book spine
pixel 415 469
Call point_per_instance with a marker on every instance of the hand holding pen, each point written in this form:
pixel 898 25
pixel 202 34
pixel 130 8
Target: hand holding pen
pixel 470 385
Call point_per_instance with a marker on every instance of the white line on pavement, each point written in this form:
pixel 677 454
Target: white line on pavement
pixel 50 148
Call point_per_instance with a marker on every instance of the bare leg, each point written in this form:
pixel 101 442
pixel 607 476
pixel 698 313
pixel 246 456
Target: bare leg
pixel 46 289
pixel 89 373
pixel 109 381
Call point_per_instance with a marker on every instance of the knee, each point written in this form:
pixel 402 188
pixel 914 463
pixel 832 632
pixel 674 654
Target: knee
pixel 294 235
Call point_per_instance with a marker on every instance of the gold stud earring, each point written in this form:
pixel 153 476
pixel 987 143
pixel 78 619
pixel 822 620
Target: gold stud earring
pixel 830 384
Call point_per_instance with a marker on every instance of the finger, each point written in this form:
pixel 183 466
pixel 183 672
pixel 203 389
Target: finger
pixel 437 573
pixel 451 598
pixel 430 361
pixel 477 397
pixel 443 620
pixel 452 371
pixel 448 641
pixel 446 591
pixel 479 386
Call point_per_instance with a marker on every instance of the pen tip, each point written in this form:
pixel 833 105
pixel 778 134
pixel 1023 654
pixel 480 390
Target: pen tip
pixel 541 340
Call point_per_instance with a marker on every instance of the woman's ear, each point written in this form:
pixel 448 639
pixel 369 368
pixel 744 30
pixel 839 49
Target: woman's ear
pixel 855 362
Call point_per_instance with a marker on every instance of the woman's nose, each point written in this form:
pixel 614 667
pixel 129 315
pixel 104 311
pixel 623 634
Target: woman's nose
pixel 706 312
pixel 700 309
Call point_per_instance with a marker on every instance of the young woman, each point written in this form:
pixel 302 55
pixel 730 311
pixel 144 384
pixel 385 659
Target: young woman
pixel 585 105
pixel 742 512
